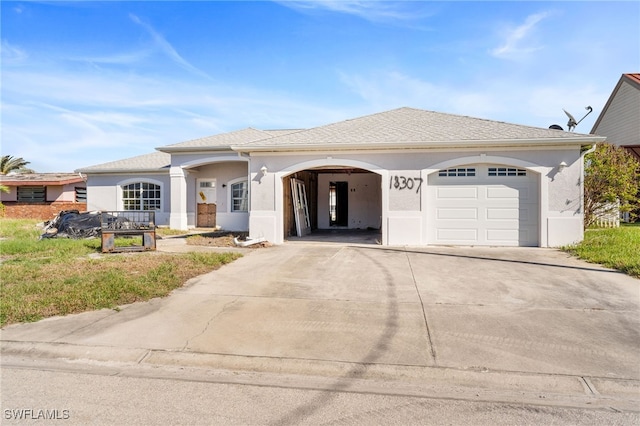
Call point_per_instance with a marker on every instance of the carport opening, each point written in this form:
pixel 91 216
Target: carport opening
pixel 343 204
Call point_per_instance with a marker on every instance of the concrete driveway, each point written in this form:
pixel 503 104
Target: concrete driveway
pixel 352 310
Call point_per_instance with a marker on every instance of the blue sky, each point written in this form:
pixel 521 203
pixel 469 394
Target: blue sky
pixel 84 83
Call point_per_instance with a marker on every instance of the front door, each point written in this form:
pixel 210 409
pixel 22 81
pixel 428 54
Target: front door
pixel 206 203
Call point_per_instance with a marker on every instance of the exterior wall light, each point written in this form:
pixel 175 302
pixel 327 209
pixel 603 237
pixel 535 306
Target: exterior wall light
pixel 562 166
pixel 263 169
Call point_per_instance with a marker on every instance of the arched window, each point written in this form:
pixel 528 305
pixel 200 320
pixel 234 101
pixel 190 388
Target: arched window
pixel 141 196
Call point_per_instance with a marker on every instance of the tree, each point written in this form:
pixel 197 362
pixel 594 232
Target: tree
pixel 9 163
pixel 611 182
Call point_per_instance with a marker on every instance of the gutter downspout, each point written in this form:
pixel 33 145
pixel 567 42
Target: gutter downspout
pixel 582 155
pixel 249 242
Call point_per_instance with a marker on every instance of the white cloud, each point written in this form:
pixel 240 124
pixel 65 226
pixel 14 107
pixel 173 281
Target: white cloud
pixel 12 55
pixel 392 89
pixel 515 41
pixel 388 89
pixel 167 48
pixel 503 99
pixel 61 120
pixel 373 11
pixel 115 59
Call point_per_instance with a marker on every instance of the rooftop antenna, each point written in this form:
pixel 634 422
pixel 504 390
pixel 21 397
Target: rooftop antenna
pixel 572 121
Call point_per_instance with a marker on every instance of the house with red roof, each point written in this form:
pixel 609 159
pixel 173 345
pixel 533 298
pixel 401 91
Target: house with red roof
pixel 42 195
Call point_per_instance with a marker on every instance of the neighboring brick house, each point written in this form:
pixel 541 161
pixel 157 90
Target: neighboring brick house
pixel 42 195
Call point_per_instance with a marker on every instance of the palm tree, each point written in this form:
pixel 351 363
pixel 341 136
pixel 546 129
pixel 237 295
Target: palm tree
pixel 9 163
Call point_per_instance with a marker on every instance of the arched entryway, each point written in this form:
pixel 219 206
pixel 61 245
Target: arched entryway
pixel 337 202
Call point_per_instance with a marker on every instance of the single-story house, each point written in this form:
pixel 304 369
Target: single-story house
pixel 42 195
pixel 420 177
pixel 619 120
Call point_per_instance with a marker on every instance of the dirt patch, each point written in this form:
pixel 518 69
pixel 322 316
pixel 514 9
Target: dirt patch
pixel 222 239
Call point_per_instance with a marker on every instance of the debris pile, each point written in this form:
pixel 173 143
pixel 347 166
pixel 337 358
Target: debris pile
pixel 73 224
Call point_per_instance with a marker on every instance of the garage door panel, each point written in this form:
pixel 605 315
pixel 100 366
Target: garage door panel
pixel 508 193
pixel 457 235
pixel 524 194
pixel 457 213
pixel 500 214
pixel 451 192
pixel 495 235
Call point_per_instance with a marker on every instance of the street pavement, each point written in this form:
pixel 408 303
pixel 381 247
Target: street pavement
pixel 513 325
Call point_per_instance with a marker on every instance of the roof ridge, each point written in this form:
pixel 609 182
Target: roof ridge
pixel 111 164
pixel 211 136
pixel 413 126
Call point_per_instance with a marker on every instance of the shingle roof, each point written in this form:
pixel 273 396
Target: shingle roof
pixel 20 179
pixel 222 141
pixel 409 127
pixel 161 160
pixel 395 129
pixel 154 162
pixel 280 132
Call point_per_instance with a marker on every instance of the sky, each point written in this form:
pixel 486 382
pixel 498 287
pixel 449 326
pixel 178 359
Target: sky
pixel 84 82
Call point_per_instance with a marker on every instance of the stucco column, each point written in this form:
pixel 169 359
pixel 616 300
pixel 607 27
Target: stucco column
pixel 178 214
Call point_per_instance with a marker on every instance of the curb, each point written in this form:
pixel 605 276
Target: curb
pixel 408 380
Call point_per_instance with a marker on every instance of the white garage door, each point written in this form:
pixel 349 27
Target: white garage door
pixel 484 204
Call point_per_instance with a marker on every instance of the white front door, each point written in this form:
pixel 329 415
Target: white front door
pixel 206 191
pixel 484 204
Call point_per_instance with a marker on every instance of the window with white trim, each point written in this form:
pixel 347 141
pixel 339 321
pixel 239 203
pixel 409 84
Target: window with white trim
pixel 458 172
pixel 506 171
pixel 141 196
pixel 32 194
pixel 240 196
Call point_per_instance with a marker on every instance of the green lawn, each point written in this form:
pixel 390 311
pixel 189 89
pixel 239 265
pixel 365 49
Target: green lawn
pixel 617 248
pixel 58 276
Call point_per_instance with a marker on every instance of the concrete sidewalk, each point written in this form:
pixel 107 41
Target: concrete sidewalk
pixel 514 320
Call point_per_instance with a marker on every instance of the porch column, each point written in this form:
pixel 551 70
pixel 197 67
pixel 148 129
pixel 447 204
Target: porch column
pixel 178 213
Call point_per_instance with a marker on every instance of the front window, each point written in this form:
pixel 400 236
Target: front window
pixel 456 172
pixel 141 196
pixel 239 197
pixel 81 195
pixel 506 171
pixel 31 194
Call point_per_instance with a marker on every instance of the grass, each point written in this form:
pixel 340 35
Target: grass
pixel 616 248
pixel 52 277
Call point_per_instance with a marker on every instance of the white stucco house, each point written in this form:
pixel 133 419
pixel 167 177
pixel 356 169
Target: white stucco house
pixel 420 177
